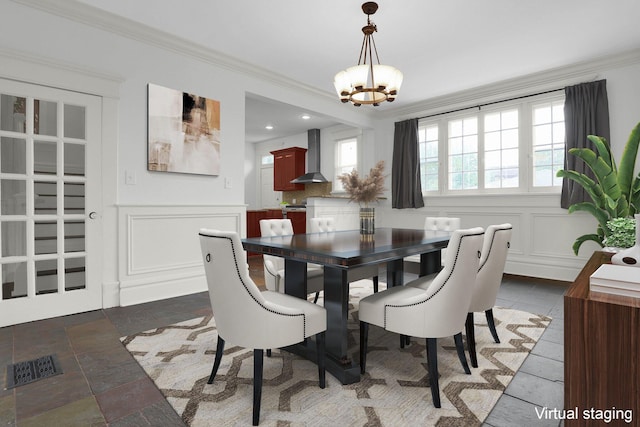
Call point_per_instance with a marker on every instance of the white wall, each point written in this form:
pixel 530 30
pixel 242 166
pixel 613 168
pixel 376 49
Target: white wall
pixel 623 90
pixel 251 176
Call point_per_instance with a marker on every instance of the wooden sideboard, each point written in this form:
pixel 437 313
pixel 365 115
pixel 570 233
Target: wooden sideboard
pixel 601 350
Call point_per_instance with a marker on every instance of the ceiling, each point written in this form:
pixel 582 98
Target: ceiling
pixel 286 119
pixel 441 46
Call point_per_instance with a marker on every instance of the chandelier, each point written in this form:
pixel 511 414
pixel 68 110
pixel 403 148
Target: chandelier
pixel 368 83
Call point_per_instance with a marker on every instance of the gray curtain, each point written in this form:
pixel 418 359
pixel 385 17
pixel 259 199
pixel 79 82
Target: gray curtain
pixel 406 190
pixel 586 112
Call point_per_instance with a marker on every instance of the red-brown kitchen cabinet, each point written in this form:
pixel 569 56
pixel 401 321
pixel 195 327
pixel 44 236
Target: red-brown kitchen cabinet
pixel 288 164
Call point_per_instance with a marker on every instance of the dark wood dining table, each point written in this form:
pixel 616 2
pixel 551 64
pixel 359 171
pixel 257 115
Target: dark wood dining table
pixel 341 252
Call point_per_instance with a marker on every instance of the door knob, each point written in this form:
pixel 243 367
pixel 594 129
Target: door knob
pixel 93 215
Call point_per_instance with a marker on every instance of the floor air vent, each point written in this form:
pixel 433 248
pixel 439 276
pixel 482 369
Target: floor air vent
pixel 32 370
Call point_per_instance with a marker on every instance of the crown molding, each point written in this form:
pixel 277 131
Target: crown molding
pixel 556 78
pixel 112 23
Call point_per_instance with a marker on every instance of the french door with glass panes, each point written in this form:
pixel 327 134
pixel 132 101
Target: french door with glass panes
pixel 50 193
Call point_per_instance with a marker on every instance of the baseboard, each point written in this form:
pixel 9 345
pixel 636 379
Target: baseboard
pixel 155 289
pixel 110 294
pixel 530 279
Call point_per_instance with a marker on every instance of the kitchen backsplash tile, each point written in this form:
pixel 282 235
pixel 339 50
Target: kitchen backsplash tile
pixel 318 189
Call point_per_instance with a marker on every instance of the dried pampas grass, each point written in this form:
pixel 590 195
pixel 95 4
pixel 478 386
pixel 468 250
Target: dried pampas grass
pixel 367 190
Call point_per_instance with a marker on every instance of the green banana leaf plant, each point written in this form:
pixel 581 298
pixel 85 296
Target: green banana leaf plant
pixel 615 193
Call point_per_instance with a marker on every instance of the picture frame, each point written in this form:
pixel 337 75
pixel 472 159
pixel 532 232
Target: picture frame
pixel 183 132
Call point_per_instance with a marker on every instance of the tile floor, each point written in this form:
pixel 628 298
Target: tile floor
pixel 103 385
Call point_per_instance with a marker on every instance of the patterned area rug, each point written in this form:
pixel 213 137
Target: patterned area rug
pixel 395 391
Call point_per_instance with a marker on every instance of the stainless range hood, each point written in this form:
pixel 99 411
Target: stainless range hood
pixel 313 160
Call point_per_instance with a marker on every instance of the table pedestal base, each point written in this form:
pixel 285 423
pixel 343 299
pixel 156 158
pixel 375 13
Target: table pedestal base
pixel 336 302
pixel 346 373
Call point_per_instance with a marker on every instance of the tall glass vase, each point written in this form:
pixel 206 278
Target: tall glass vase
pixel 367 220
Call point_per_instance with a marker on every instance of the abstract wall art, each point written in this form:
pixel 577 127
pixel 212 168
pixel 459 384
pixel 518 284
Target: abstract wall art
pixel 183 132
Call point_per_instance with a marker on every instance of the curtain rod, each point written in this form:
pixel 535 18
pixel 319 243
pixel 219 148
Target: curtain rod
pixel 479 106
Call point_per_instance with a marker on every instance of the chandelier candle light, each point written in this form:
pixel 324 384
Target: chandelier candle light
pixel 384 80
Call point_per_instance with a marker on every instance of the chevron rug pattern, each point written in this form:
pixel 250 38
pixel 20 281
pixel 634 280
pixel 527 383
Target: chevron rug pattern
pixel 395 391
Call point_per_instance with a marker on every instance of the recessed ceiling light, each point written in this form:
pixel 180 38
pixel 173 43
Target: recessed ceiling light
pixel 306 117
pixel 268 127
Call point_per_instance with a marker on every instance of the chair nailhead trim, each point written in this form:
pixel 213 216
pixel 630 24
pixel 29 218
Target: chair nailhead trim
pixel 491 245
pixel 439 289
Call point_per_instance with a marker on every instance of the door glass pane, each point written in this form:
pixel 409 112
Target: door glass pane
pixel 74 159
pixel 14 280
pixel 46 276
pixel 45 118
pixel 45 193
pixel 74 122
pixel 74 236
pixel 13 197
pixel 46 235
pixel 13 155
pixel 44 157
pixel 74 275
pixel 14 238
pixel 73 198
pixel 13 110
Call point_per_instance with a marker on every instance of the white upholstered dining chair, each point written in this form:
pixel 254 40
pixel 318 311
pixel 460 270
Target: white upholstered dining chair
pixel 435 223
pixel 275 320
pixel 429 308
pixel 327 225
pixel 492 261
pixel 274 266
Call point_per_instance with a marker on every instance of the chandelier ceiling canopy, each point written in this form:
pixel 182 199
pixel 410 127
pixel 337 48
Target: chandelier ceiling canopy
pixel 368 83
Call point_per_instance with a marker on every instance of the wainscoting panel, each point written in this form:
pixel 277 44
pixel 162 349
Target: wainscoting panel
pixel 485 219
pixel 556 234
pixel 160 252
pixel 543 233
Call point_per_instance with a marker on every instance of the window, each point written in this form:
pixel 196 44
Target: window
pixel 548 143
pixel 463 154
pixel 428 143
pixel 267 159
pixel 510 146
pixel 346 151
pixel 501 149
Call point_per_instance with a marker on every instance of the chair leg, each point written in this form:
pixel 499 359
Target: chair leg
pixel 320 348
pixel 405 340
pixel 315 300
pixel 375 284
pixel 432 361
pixel 257 384
pixel 460 348
pixel 471 339
pixel 492 325
pixel 364 336
pixel 216 363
